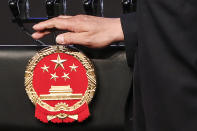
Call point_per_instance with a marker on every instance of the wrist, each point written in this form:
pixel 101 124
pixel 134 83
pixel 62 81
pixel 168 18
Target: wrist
pixel 117 31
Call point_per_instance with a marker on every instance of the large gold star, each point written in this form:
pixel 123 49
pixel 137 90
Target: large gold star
pixel 54 76
pixel 59 62
pixel 65 76
pixel 73 67
pixel 45 68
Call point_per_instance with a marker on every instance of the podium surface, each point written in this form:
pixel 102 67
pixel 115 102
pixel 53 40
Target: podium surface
pixel 107 107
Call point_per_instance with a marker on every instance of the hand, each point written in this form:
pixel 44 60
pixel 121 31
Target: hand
pixel 85 30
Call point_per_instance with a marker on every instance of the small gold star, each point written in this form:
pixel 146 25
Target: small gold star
pixel 65 76
pixel 54 76
pixel 73 67
pixel 45 68
pixel 59 62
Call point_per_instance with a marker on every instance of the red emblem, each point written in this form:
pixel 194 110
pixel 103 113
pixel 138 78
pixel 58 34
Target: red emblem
pixel 60 82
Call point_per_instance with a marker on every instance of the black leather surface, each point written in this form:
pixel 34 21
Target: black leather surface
pixel 107 107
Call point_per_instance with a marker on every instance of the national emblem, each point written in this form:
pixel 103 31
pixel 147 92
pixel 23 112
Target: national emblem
pixel 60 82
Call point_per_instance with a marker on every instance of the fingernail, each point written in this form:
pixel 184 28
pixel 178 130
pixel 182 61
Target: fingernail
pixel 36 26
pixel 60 39
pixel 33 35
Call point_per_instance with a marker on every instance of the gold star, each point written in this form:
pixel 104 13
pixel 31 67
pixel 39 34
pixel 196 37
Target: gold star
pixel 65 76
pixel 73 67
pixel 59 62
pixel 45 68
pixel 54 76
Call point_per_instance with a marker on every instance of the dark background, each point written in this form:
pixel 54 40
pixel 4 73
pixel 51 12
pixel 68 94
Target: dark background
pixel 10 34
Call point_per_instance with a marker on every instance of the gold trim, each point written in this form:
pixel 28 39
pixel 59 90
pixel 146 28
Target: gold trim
pixel 61 116
pixel 61 93
pixel 61 97
pixel 35 99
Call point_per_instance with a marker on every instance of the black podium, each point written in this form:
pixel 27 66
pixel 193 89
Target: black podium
pixel 107 107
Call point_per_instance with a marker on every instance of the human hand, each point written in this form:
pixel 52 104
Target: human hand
pixel 84 30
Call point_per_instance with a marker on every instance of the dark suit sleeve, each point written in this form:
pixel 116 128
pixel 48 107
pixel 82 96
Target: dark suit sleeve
pixel 129 27
pixel 165 75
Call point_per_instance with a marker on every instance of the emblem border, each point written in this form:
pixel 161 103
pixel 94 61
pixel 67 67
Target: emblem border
pixel 90 72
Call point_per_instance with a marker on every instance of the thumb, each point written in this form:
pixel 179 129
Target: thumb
pixel 72 38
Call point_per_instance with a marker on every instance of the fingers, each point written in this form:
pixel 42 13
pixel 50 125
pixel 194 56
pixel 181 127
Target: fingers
pixel 38 35
pixel 58 23
pixel 73 38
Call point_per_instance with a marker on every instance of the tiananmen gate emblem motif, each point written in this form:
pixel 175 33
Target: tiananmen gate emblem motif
pixel 60 82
